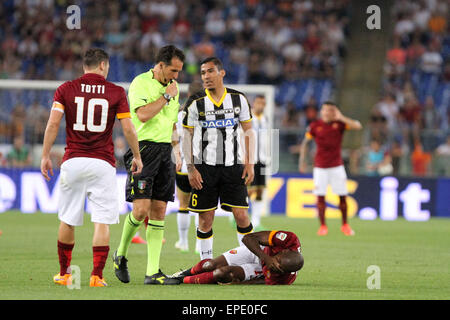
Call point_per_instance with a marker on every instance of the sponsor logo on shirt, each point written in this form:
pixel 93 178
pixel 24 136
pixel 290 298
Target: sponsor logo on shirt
pixel 233 251
pixel 222 123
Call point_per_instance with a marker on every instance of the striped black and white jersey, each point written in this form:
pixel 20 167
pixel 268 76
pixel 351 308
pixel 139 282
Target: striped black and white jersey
pixel 217 136
pixel 261 126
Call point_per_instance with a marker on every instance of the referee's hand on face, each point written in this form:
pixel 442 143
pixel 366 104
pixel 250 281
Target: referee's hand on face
pixel 195 178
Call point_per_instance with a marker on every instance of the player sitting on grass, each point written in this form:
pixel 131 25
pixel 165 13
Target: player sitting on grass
pixel 267 257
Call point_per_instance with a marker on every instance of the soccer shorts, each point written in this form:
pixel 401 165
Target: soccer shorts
pixel 94 178
pixel 219 182
pixel 182 182
pixel 335 176
pixel 157 179
pixel 260 178
pixel 247 260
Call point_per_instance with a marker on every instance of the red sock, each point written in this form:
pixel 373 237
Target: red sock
pixel 100 254
pixel 321 209
pixel 202 278
pixel 198 267
pixel 343 208
pixel 65 256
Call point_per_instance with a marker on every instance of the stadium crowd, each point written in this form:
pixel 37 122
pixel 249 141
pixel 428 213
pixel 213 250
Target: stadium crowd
pixel 411 120
pixel 295 45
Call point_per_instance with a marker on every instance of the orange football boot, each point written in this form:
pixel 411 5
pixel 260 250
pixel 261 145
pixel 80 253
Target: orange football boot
pixel 347 230
pixel 97 282
pixel 63 280
pixel 323 230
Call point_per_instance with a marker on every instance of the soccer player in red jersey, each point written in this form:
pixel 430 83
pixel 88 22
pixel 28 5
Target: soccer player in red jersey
pixel 267 257
pixel 328 132
pixel 90 105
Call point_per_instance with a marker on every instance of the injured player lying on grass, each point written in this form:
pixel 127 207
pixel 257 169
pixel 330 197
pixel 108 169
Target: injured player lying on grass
pixel 267 257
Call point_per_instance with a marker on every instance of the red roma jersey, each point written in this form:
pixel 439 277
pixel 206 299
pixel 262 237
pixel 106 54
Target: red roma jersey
pixel 90 104
pixel 328 138
pixel 278 241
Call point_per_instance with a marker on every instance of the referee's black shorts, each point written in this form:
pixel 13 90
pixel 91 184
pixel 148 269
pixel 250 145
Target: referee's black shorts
pixel 157 179
pixel 260 179
pixel 219 183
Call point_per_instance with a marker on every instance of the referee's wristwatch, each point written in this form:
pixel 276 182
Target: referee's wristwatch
pixel 167 96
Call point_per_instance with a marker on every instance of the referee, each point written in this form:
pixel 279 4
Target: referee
pixel 218 167
pixel 154 107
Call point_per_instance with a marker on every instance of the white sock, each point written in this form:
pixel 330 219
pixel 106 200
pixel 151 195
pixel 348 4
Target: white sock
pixel 184 222
pixel 257 209
pixel 206 244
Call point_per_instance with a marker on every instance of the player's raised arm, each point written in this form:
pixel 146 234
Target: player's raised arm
pixel 51 131
pixel 351 124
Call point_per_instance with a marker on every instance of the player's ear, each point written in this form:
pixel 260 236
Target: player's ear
pixel 222 73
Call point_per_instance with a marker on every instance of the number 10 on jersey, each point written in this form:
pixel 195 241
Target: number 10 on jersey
pixel 91 105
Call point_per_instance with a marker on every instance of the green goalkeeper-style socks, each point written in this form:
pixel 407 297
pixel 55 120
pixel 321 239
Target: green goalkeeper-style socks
pixel 130 227
pixel 154 235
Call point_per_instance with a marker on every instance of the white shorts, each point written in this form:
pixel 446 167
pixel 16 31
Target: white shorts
pixel 244 258
pixel 335 176
pixel 94 178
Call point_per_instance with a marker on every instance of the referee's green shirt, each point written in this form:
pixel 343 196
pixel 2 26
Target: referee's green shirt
pixel 143 90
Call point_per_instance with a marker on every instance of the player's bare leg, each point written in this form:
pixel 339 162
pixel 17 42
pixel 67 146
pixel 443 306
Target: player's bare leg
pixel 205 234
pixel 243 223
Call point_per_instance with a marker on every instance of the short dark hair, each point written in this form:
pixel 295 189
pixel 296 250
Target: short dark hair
pixel 94 56
pixel 167 53
pixel 331 103
pixel 217 62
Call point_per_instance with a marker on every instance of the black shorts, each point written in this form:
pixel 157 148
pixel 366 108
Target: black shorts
pixel 157 179
pixel 219 183
pixel 182 181
pixel 260 179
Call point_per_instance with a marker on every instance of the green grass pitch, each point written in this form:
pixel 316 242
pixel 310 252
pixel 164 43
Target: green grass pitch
pixel 413 259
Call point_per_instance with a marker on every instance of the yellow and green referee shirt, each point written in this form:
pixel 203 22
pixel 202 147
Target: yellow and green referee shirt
pixel 145 89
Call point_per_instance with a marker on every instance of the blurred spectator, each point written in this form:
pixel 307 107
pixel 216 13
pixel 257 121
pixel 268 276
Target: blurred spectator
pixel 35 123
pixel 397 152
pixel 19 156
pixel 378 126
pixel 375 156
pixel 431 61
pixel 388 107
pixel 444 149
pixel 18 116
pixel 430 116
pixel 420 160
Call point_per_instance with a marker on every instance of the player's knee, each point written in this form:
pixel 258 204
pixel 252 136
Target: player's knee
pixel 223 274
pixel 139 213
pixel 241 216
